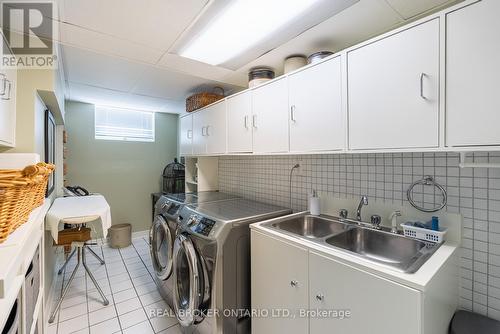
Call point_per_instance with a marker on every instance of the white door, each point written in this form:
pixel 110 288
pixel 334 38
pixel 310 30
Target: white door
pixel 199 132
pixel 393 90
pixel 316 118
pixel 216 128
pixel 279 281
pixel 186 135
pixel 472 74
pixel 376 305
pixel 270 117
pixel 239 127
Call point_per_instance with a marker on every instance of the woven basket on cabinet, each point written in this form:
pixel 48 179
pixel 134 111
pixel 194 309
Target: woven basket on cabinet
pixel 21 191
pixel 200 100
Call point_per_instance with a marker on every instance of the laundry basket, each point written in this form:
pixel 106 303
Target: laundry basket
pixel 120 235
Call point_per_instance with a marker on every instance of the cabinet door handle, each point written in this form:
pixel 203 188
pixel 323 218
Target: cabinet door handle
pixel 320 298
pixel 190 134
pixel 292 113
pixel 254 121
pixel 203 131
pixel 422 76
pixel 207 130
pixel 4 85
pixel 245 122
pixel 9 84
pixel 294 283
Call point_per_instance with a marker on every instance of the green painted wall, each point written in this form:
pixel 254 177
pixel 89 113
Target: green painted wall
pixel 126 173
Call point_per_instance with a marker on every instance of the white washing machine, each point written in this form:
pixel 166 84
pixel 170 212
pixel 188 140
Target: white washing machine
pixel 211 260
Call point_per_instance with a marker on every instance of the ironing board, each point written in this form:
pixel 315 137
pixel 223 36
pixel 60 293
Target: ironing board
pixel 78 210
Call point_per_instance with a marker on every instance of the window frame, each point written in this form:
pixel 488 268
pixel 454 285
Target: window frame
pixel 125 138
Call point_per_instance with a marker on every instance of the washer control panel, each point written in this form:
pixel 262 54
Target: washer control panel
pixel 199 224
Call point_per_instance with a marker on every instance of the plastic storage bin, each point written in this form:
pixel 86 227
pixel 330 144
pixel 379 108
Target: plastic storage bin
pixel 423 233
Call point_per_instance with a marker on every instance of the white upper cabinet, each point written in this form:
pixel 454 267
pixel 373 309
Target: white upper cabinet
pixel 216 128
pixel 209 130
pixel 199 133
pixel 8 81
pixel 472 74
pixel 316 117
pixel 270 117
pixel 239 123
pixel 186 135
pixel 393 90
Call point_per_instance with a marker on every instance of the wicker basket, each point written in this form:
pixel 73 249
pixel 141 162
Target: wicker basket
pixel 203 99
pixel 21 191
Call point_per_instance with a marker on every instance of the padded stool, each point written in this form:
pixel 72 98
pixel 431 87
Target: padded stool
pixel 77 237
pixel 465 322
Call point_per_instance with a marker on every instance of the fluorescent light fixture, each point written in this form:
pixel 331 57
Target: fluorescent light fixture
pixel 241 25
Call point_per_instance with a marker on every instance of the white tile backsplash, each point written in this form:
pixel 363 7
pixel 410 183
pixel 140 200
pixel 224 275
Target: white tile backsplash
pixel 475 193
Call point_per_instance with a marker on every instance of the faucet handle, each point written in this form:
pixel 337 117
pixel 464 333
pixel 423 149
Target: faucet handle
pixel 343 213
pixel 376 220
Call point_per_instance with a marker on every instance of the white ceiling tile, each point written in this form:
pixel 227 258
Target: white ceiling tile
pixel 411 8
pixel 359 22
pixel 92 40
pixel 168 84
pixel 89 68
pixel 153 23
pixel 199 69
pixel 100 96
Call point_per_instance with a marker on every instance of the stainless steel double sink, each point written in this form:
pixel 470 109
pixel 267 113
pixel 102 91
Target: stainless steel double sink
pixel 389 249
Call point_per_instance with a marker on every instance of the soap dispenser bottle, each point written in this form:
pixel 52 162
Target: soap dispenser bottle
pixel 314 207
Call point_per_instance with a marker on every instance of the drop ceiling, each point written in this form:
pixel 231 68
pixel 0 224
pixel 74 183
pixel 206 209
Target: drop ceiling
pixel 122 52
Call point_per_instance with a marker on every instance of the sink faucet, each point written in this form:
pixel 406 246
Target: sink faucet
pixel 362 202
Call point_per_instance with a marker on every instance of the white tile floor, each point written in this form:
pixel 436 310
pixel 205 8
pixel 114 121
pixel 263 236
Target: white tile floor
pixel 126 280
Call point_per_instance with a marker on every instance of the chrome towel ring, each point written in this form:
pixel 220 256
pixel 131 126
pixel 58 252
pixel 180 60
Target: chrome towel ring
pixel 427 181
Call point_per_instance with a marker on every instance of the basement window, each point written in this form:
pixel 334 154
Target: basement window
pixel 124 124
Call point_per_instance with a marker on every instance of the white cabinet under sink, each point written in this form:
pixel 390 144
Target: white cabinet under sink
pixel 393 90
pixel 270 117
pixel 376 305
pixel 294 276
pixel 316 117
pixel 209 130
pixel 472 74
pixel 279 281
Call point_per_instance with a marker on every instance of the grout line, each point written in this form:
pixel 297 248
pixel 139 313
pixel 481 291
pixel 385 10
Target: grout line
pixel 111 290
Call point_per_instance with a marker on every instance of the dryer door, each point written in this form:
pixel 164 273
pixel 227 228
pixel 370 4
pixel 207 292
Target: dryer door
pixel 161 247
pixel 188 281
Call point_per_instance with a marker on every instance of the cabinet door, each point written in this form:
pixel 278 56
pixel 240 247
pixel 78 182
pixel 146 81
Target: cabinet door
pixel 279 281
pixel 215 132
pixel 270 117
pixel 472 72
pixel 239 127
pixel 199 133
pixel 186 135
pixel 376 305
pixel 316 118
pixel 393 90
